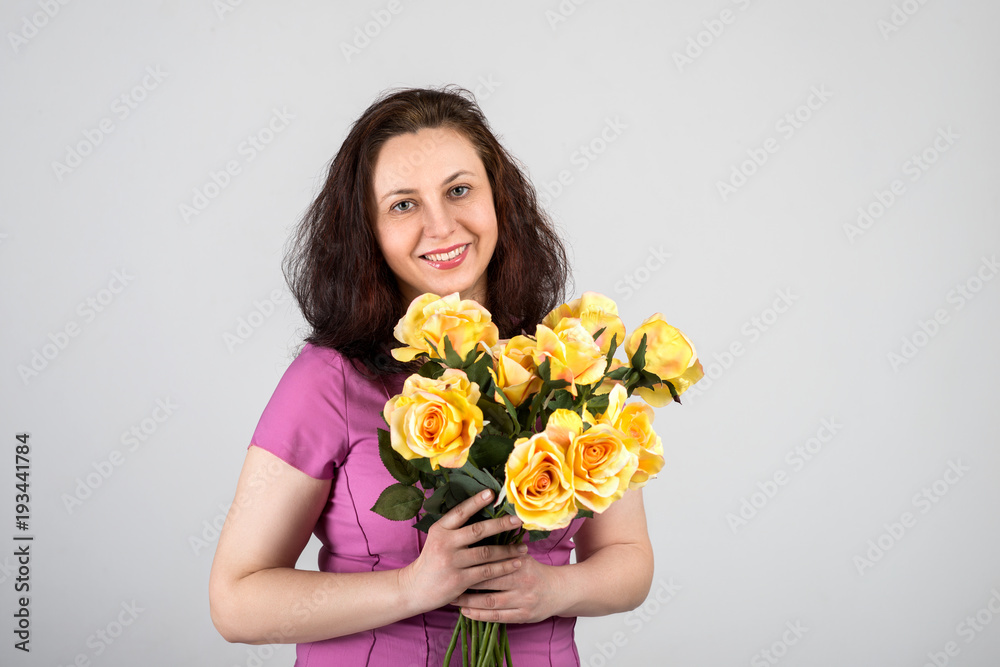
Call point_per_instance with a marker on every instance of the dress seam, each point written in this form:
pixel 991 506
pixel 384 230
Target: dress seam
pixel 354 506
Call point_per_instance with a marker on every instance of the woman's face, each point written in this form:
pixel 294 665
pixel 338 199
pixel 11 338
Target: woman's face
pixel 434 215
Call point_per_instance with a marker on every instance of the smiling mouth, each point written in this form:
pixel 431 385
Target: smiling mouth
pixel 445 256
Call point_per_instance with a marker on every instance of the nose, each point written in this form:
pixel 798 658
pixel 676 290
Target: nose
pixel 438 220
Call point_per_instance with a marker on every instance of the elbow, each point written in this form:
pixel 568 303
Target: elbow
pixel 642 583
pixel 225 612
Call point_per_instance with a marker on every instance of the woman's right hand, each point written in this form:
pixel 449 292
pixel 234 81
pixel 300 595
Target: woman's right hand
pixel 446 566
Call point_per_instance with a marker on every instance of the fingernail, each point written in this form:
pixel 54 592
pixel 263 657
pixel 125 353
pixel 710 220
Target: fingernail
pixel 522 548
pixel 486 494
pixel 514 521
pixel 517 563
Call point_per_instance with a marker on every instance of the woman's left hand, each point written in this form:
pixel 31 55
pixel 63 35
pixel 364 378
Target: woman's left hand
pixel 529 594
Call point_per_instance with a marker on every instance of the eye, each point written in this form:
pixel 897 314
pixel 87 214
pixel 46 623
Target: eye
pixel 464 188
pixel 397 206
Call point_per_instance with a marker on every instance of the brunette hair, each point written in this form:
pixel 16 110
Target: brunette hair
pixel 336 271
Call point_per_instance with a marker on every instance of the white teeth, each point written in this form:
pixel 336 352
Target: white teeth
pixel 444 257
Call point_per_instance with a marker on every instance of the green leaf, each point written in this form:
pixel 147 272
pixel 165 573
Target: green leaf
pixel 561 399
pixel 612 349
pixel 428 480
pixel 618 373
pixel 479 372
pixel 432 369
pixel 450 355
pixel 543 371
pixel 535 535
pixel 496 415
pixel 435 504
pixel 490 451
pixel 426 521
pixel 465 485
pixel 598 404
pixel 639 358
pixel 398 467
pixel 423 465
pixel 584 513
pixel 399 502
pixel 597 334
pixel 481 476
pixel 511 410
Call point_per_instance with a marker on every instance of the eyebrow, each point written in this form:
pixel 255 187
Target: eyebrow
pixel 410 191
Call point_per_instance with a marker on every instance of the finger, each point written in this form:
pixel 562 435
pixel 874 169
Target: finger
pixel 476 531
pixel 484 601
pixel 474 576
pixel 458 515
pixel 489 553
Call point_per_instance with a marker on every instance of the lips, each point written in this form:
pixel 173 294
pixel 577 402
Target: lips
pixel 447 258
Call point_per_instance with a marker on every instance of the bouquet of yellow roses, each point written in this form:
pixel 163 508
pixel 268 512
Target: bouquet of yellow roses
pixel 540 420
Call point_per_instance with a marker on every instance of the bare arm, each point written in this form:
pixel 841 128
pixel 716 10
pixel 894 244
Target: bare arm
pixel 257 597
pixel 614 567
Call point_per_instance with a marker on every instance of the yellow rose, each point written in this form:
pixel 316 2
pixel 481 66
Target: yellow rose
pixel 669 355
pixel 604 461
pixel 515 373
pixel 572 354
pixel 636 422
pixel 435 419
pixel 430 318
pixel 595 312
pixel 540 480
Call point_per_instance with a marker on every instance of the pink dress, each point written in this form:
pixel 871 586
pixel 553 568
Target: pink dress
pixel 322 419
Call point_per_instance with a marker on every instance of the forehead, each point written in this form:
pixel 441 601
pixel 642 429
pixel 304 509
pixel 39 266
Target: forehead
pixel 423 158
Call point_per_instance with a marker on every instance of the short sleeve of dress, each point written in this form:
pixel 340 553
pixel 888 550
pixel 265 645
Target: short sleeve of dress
pixel 305 422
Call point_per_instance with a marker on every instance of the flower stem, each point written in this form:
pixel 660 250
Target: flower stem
pixel 465 640
pixel 454 639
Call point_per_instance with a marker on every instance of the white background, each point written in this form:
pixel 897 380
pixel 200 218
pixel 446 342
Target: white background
pixel 817 550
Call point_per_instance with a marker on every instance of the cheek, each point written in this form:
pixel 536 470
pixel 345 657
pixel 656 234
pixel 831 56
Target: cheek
pixel 395 244
pixel 486 228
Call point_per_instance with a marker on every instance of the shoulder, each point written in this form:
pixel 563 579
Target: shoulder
pixel 305 422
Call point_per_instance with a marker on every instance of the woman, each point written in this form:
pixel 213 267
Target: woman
pixel 420 198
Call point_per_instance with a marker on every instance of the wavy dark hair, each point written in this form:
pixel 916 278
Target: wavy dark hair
pixel 336 271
